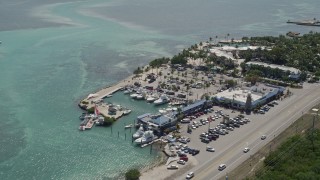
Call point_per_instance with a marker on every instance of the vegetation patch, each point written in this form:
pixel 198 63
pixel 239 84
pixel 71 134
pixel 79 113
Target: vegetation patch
pixel 297 158
pixel 133 174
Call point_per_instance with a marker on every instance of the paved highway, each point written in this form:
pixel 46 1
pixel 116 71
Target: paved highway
pixel 229 148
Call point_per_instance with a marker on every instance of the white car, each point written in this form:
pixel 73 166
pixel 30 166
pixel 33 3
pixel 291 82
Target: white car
pixel 246 150
pixel 221 167
pixel 210 149
pixel 182 162
pixel 190 175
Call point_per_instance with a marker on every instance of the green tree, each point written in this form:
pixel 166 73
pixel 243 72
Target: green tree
pixel 133 174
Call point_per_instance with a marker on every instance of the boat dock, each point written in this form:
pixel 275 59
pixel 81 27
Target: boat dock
pixel 144 145
pixel 87 124
pixel 95 100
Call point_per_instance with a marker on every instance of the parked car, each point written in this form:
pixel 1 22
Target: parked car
pixel 263 137
pixel 210 149
pixel 185 158
pixel 190 175
pixel 221 167
pixel 205 140
pixel 173 166
pixel 181 162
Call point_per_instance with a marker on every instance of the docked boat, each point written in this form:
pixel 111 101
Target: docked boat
pixel 82 128
pixel 83 116
pixel 134 95
pixel 127 111
pixel 151 98
pixel 162 100
pixel 128 126
pixel 162 111
pixel 147 137
pixel 140 97
pixel 127 92
pixel 110 95
pixel 139 133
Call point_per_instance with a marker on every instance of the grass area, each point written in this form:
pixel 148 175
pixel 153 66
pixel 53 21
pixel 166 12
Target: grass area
pixel 275 160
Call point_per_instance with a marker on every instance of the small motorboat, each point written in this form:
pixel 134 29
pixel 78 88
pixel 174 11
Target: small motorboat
pixel 139 133
pixel 140 96
pixel 128 126
pixel 127 111
pixel 82 128
pixel 134 95
pixel 110 95
pixel 162 100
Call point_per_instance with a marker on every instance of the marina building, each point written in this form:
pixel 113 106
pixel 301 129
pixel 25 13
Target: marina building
pixel 160 122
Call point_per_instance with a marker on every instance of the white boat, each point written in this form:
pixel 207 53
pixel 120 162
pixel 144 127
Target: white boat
pixel 134 95
pixel 152 98
pixel 140 96
pixel 127 92
pixel 82 128
pixel 169 109
pixel 148 136
pixel 110 95
pixel 128 126
pixel 162 100
pixel 162 111
pixel 127 111
pixel 139 133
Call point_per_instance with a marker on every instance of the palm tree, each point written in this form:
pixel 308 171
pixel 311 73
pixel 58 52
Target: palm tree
pixel 248 103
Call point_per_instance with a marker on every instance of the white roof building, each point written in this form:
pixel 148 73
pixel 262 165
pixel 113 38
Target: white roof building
pixel 259 95
pixel 273 66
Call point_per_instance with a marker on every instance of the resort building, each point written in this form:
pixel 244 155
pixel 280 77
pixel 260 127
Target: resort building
pixel 260 95
pixel 294 73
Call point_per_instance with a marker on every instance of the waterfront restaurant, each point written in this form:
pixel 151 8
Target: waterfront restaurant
pixel 158 122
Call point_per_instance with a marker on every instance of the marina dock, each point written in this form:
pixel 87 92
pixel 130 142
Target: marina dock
pixel 95 99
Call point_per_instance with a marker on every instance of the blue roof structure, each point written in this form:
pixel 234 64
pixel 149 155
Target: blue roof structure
pixel 162 120
pixel 194 105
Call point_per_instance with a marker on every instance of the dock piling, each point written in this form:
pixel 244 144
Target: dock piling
pixel 150 148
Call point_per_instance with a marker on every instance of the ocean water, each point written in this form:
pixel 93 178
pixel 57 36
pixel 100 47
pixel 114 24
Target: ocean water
pixel 54 53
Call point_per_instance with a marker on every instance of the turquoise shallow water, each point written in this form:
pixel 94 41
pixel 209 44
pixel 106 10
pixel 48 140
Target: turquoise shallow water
pixel 44 72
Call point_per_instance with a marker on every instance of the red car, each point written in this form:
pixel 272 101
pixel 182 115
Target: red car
pixel 185 158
